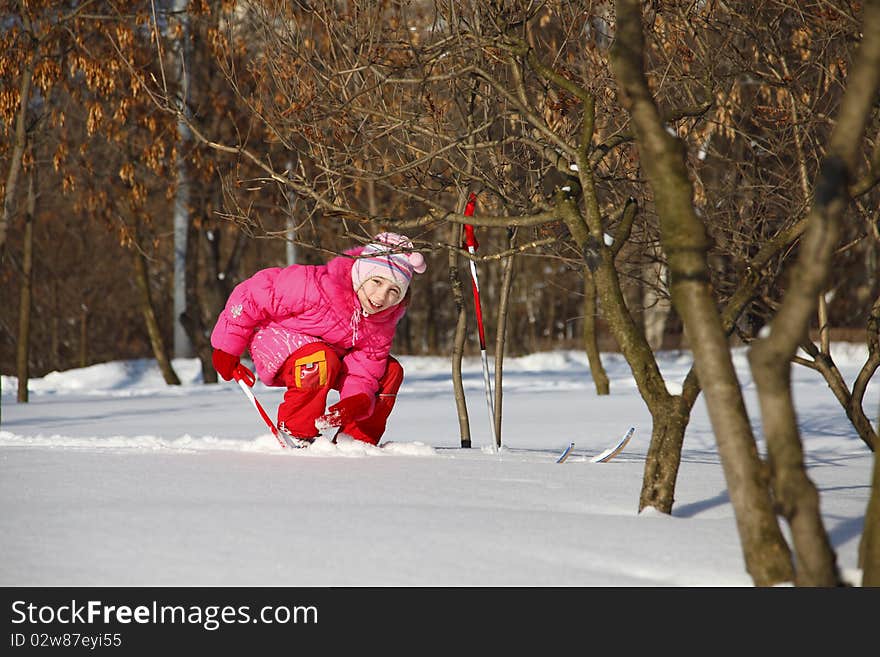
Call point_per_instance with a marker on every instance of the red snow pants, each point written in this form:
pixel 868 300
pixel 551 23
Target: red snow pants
pixel 310 373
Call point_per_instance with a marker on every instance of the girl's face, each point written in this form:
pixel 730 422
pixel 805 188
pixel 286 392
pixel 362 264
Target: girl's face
pixel 378 294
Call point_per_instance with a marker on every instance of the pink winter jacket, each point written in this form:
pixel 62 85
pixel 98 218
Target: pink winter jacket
pixel 278 310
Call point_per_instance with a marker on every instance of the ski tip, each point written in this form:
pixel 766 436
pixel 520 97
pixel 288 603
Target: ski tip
pixel 565 453
pixel 289 442
pixel 611 452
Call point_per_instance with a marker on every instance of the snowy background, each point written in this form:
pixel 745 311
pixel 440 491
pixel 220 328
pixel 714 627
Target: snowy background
pixel 110 477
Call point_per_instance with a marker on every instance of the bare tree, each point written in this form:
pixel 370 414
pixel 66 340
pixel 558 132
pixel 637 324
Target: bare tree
pixel 796 496
pixel 26 290
pixel 67 86
pixel 685 242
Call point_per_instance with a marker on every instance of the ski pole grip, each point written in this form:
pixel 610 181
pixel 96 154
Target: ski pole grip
pixel 470 240
pixel 242 373
pixel 471 204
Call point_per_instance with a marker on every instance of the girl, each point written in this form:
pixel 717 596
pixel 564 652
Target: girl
pixel 312 328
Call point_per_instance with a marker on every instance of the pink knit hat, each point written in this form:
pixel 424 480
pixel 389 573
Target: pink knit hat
pixel 389 256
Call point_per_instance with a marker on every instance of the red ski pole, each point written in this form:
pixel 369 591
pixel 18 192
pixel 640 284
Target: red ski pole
pixel 470 241
pixel 246 379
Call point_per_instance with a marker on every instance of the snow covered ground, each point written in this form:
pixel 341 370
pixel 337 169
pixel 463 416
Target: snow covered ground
pixel 110 477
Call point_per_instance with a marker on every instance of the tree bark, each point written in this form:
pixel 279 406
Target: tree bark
pixel 459 341
pixel 142 280
pixel 869 548
pixel 26 298
pixel 83 355
pixel 183 346
pixel 860 385
pixel 824 364
pixel 591 338
pixel 656 305
pixel 501 334
pixel 662 461
pixel 19 143
pixel 192 320
pixel 683 238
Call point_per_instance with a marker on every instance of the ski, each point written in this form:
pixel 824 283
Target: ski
pixel 290 441
pixel 565 454
pixel 611 452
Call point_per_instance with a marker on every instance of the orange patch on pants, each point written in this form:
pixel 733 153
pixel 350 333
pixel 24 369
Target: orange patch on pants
pixel 311 371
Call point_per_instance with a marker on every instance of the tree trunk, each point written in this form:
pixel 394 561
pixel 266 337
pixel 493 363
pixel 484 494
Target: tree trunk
pixel 869 547
pixel 684 240
pixel 824 364
pixel 55 340
pixel 83 335
pixel 501 334
pixel 588 231
pixel 860 385
pixel 25 301
pixel 656 306
pixel 191 320
pixel 142 280
pixel 661 467
pixel 291 221
pixel 220 277
pixel 591 338
pixel 19 143
pixel 460 338
pixel 533 324
pixel 183 347
pixel 669 422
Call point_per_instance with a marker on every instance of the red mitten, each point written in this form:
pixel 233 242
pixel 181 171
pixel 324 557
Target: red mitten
pixel 344 411
pixel 225 364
